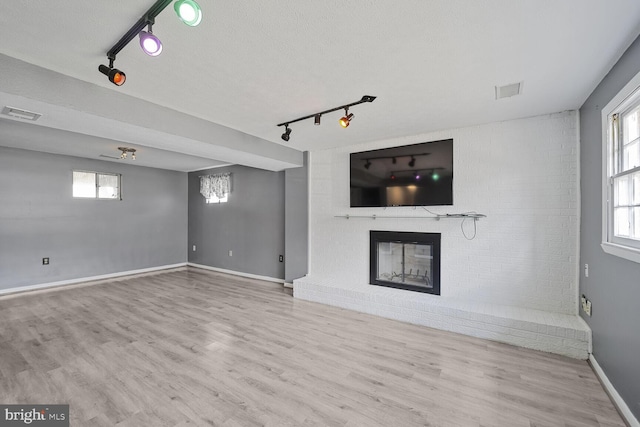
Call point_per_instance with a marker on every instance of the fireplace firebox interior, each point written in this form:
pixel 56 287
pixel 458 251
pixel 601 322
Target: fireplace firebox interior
pixel 403 260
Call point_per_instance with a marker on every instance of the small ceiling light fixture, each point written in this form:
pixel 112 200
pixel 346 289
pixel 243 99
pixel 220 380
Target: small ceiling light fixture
pixel 285 136
pixel 393 176
pixel 412 162
pixel 367 165
pixel 435 176
pixel 346 120
pixel 188 11
pixel 150 44
pixel 125 151
pixel 393 160
pixel 417 176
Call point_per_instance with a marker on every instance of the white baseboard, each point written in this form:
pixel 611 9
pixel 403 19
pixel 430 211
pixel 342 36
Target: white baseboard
pixel 613 393
pixel 236 273
pixel 288 285
pixel 40 286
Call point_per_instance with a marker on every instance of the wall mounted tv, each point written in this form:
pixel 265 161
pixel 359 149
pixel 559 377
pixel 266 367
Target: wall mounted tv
pixel 411 175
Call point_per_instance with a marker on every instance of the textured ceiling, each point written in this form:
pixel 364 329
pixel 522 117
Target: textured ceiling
pixel 253 64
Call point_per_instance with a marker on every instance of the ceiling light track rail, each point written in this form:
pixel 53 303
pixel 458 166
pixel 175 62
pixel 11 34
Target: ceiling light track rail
pixel 364 99
pixel 187 10
pixel 396 157
pixel 344 121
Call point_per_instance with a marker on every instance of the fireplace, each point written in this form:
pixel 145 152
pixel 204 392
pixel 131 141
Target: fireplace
pixel 402 260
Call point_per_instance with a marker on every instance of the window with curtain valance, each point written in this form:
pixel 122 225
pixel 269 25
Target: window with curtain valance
pixel 216 188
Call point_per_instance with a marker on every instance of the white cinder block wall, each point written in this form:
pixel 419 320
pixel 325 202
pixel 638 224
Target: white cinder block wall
pixel 522 174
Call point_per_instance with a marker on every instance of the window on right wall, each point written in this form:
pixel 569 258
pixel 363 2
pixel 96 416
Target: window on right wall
pixel 621 173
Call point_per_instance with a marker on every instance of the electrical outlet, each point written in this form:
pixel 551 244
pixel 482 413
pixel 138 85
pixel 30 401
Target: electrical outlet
pixel 194 248
pixel 586 270
pixel 281 258
pixel 586 305
pixel 45 261
pixel 230 253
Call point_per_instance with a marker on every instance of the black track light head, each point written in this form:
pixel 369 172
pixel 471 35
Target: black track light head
pixel 412 162
pixel 316 120
pixel 393 160
pixel 115 76
pixel 287 133
pixel 367 165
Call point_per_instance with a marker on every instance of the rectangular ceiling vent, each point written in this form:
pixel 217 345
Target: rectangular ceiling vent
pixel 507 91
pixel 17 113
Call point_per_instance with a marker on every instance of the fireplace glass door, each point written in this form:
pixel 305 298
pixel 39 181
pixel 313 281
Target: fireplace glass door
pixel 405 263
pixel 406 260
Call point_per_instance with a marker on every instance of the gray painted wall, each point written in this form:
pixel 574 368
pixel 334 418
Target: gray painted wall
pixel 83 238
pixel 251 223
pixel 296 221
pixel 613 285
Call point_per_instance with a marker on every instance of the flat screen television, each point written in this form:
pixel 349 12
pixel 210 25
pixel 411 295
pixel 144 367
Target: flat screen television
pixel 411 175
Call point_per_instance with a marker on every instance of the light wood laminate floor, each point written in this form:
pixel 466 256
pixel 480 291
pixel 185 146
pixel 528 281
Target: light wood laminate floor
pixel 193 347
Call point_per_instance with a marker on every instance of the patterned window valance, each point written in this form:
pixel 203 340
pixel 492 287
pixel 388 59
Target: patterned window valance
pixel 218 186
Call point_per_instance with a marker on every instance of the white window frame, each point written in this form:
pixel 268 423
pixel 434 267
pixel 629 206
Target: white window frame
pixel 618 246
pixel 97 193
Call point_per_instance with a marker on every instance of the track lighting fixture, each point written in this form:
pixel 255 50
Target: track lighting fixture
pixel 344 121
pixel 150 44
pixel 416 175
pixel 435 176
pixel 287 132
pixel 115 76
pixel 125 151
pixel 394 160
pixel 187 10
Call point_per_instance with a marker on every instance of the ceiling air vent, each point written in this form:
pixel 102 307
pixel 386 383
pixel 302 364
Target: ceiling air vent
pixel 21 114
pixel 507 91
